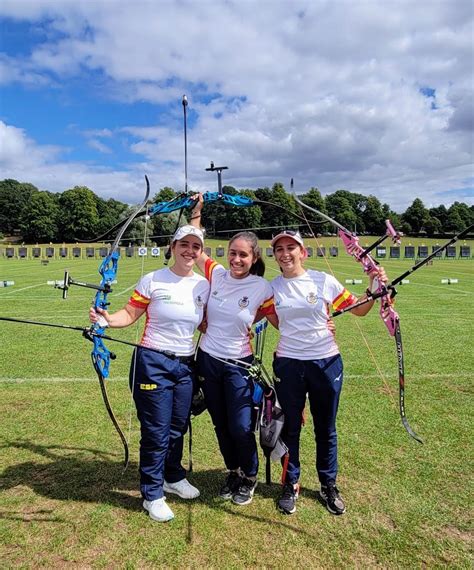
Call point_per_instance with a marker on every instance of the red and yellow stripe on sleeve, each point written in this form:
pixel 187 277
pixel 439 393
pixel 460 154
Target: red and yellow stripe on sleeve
pixel 139 301
pixel 345 299
pixel 209 268
pixel 267 307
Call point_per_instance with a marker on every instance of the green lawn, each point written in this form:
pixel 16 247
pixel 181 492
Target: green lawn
pixel 66 502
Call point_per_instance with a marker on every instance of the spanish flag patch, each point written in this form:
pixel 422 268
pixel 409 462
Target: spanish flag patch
pixel 209 268
pixel 268 307
pixel 345 299
pixel 139 301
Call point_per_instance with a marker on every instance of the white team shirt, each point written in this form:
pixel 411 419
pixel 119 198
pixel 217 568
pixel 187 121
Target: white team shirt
pixel 231 309
pixel 174 309
pixel 302 305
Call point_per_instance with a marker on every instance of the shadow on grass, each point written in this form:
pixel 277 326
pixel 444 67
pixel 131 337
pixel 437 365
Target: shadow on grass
pixel 67 476
pixel 209 482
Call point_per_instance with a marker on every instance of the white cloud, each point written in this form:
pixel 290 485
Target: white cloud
pixel 17 151
pixel 99 146
pixel 330 90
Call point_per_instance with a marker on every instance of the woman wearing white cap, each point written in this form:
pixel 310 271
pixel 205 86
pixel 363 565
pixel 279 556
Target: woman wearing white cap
pixel 161 374
pixel 307 362
pixel 237 294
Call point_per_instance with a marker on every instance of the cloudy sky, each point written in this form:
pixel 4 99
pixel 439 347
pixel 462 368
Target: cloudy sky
pixel 374 96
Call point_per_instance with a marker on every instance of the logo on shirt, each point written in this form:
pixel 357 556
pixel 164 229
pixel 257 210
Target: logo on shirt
pixel 215 297
pixel 280 306
pixel 163 297
pixel 312 298
pixel 244 302
pixel 199 302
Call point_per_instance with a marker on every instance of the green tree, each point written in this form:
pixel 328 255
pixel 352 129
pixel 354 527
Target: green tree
pixel 14 196
pixel 314 199
pixel 416 215
pixel 110 213
pixel 373 216
pixel 39 221
pixel 465 214
pixel 79 216
pixel 432 226
pixel 389 214
pixel 455 223
pixel 163 225
pixel 440 213
pixel 340 208
pixel 218 217
pixel 405 228
pixel 222 218
pixel 279 216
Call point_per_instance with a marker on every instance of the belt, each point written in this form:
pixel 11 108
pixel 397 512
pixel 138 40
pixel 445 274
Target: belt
pixel 173 356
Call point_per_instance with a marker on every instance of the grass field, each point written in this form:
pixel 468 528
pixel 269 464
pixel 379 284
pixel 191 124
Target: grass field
pixel 65 501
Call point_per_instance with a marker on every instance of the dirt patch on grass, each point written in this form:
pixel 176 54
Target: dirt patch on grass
pixel 455 533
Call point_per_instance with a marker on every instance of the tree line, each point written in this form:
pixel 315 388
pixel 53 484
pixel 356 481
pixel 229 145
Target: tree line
pixel 79 214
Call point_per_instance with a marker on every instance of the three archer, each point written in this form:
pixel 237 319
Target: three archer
pixel 290 253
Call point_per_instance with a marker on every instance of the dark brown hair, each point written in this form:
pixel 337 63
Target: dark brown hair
pixel 258 266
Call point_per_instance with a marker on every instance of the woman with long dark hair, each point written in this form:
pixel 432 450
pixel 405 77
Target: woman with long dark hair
pixel 237 295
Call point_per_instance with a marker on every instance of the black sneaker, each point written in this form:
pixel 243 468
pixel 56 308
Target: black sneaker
pixel 244 494
pixel 231 485
pixel 330 497
pixel 287 501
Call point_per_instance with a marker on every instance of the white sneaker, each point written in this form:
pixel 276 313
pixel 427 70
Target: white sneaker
pixel 158 510
pixel 182 488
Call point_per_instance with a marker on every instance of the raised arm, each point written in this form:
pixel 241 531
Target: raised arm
pixel 196 222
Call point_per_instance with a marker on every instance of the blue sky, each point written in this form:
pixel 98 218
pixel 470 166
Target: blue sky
pixel 371 96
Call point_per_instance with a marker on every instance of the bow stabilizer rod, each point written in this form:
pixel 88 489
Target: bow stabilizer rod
pixel 219 170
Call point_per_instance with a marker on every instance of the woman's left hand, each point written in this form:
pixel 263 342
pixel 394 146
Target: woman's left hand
pixel 202 328
pixel 378 274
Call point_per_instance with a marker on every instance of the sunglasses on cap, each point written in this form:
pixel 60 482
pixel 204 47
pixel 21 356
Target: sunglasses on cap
pixel 188 230
pixel 293 234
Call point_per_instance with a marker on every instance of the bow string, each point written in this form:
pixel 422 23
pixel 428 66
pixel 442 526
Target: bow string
pixel 387 311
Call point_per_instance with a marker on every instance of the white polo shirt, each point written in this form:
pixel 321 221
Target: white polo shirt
pixel 231 309
pixel 174 309
pixel 302 305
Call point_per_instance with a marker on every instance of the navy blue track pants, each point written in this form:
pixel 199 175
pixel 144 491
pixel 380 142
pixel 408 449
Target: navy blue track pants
pixel 162 391
pixel 228 392
pixel 322 381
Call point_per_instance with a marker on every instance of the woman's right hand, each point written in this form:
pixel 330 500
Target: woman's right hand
pixel 202 328
pixel 199 199
pixel 99 316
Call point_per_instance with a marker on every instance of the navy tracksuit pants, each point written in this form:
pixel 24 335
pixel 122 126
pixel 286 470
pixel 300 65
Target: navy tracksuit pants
pixel 162 391
pixel 322 381
pixel 228 392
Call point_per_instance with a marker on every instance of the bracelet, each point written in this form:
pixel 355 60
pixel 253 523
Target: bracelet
pixel 368 293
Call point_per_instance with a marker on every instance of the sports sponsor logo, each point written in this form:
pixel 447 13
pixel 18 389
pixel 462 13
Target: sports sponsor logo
pixel 214 296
